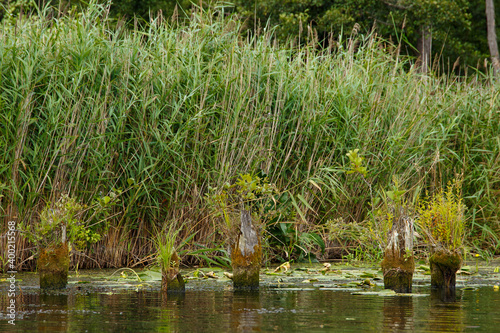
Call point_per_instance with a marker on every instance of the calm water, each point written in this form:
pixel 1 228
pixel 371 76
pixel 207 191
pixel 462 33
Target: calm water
pixel 219 309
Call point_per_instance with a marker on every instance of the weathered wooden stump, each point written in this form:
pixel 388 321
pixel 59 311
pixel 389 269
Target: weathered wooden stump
pixel 246 255
pixel 53 266
pixel 398 264
pixel 444 266
pixel 172 281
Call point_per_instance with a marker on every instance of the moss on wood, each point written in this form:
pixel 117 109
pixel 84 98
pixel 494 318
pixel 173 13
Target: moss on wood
pixel 53 266
pixel 398 264
pixel 172 280
pixel 246 255
pixel 398 276
pixel 444 265
pixel 246 268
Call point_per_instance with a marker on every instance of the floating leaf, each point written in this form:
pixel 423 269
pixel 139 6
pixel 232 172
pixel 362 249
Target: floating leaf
pixel 283 267
pixel 365 275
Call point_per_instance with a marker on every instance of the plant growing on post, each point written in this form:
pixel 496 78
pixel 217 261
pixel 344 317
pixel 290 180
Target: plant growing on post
pixel 61 227
pixel 398 264
pixel 169 261
pixel 243 236
pixel 441 220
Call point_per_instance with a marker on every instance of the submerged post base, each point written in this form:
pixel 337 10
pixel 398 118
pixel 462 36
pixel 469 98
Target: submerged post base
pixel 172 281
pixel 444 266
pixel 399 280
pixel 53 266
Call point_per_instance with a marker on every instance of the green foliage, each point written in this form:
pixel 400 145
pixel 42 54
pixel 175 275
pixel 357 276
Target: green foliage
pixel 458 27
pixel 165 244
pixel 247 192
pixel 442 218
pixel 11 9
pixel 87 105
pixel 62 221
pixel 358 241
pixel 356 163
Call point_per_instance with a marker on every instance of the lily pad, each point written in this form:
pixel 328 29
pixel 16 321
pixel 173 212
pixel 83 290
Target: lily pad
pixel 365 275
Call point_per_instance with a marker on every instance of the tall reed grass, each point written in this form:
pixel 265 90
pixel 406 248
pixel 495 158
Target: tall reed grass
pixel 88 106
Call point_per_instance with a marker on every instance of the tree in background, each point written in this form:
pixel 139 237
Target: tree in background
pixel 492 36
pixel 449 28
pixel 144 9
pixel 451 31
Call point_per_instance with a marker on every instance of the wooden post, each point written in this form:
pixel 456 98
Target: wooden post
pixel 172 281
pixel 444 266
pixel 246 255
pixel 53 266
pixel 398 264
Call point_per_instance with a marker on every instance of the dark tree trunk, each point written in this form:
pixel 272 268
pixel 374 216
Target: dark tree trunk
pixel 424 47
pixel 492 36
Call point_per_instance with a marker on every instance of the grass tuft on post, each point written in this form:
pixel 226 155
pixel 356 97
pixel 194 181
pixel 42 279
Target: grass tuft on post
pixel 442 222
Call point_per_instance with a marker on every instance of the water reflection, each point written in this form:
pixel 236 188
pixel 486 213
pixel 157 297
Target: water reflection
pixel 398 313
pixel 245 314
pixel 446 313
pixel 52 315
pixel 268 310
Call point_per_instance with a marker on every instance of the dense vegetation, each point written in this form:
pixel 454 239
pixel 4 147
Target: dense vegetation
pixel 155 118
pixel 458 27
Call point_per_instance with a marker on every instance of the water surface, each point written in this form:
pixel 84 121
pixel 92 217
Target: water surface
pixel 285 303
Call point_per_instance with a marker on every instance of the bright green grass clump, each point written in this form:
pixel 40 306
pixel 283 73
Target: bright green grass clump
pixel 441 218
pixel 163 113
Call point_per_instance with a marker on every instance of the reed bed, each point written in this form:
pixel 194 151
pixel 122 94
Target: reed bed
pixel 164 112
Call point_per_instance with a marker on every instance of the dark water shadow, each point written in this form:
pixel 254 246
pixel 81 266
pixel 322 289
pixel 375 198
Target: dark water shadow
pixel 446 311
pixel 53 312
pixel 398 313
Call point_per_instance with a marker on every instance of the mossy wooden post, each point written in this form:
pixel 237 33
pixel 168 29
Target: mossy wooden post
pixel 398 264
pixel 246 255
pixel 53 266
pixel 444 266
pixel 172 281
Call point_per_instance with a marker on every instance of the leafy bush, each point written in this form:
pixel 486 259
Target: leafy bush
pixel 442 218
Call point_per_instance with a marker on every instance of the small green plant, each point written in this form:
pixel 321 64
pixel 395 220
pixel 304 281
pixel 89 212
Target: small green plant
pixel 356 166
pixel 392 206
pixel 63 221
pixel 245 193
pixel 356 163
pixel 166 250
pixel 441 218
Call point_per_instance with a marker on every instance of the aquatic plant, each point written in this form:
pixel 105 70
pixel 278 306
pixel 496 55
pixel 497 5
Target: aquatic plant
pixel 248 192
pixel 165 243
pixel 168 259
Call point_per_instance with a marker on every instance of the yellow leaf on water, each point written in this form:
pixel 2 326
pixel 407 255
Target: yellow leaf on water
pixel 283 267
